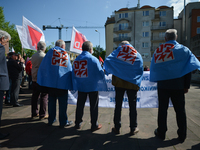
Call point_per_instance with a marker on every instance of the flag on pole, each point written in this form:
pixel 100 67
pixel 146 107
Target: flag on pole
pixel 31 35
pixel 77 39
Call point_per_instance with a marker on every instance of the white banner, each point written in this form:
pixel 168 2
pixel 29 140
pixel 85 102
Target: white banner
pixel 77 39
pixel 146 97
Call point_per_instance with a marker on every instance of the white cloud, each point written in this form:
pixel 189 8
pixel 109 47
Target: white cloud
pixel 107 4
pixel 179 5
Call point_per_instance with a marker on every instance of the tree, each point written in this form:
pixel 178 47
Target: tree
pixel 96 53
pixel 15 41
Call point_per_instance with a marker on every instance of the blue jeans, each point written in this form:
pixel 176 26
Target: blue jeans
pixel 62 101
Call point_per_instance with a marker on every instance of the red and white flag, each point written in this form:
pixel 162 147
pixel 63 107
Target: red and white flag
pixel 77 40
pixel 31 35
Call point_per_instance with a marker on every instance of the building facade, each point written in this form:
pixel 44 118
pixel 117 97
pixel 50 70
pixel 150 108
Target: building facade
pixel 188 26
pixel 143 27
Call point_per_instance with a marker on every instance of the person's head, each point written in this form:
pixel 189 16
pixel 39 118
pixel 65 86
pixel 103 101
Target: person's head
pixel 41 46
pixel 60 43
pixel 13 55
pixel 87 46
pixel 4 39
pixel 124 43
pixel 171 34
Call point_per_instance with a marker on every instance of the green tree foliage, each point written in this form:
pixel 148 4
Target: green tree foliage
pixel 15 41
pixel 98 52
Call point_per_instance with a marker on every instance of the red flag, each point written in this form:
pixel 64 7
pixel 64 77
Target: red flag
pixel 100 59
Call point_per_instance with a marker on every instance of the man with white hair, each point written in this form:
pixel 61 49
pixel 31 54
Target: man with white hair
pixel 4 79
pixel 171 68
pixel 36 60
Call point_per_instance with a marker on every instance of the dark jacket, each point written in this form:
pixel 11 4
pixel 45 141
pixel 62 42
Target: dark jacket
pixel 176 84
pixel 4 80
pixel 14 69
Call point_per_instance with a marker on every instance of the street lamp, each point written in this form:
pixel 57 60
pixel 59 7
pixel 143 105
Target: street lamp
pixel 99 41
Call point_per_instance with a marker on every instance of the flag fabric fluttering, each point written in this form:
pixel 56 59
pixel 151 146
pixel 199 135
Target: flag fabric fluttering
pixel 101 60
pixel 77 39
pixel 30 34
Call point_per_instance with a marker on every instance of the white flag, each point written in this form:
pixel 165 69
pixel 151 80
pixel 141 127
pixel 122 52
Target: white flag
pixel 31 35
pixel 77 39
pixel 12 50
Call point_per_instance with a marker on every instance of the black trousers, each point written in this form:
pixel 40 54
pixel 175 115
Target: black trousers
pixel 14 92
pixel 132 100
pixel 178 101
pixel 94 101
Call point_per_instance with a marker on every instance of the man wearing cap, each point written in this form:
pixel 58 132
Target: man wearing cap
pixel 14 71
pixel 4 80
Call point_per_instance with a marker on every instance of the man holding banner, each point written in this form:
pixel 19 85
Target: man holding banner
pixel 88 78
pixel 171 68
pixel 55 73
pixel 126 66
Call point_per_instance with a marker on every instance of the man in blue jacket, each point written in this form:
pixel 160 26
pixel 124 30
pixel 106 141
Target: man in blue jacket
pixel 55 74
pixel 88 79
pixel 4 80
pixel 171 68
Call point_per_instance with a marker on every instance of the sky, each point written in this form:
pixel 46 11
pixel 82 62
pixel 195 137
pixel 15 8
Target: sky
pixel 91 13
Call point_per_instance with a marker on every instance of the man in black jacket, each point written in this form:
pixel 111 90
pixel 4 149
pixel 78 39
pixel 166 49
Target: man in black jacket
pixel 4 80
pixel 15 71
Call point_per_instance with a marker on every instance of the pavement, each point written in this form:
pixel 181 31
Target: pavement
pixel 34 134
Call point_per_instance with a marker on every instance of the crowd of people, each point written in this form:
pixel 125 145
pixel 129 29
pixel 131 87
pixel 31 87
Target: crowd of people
pixel 53 75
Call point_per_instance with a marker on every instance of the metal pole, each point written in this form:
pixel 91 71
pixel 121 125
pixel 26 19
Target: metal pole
pixel 99 41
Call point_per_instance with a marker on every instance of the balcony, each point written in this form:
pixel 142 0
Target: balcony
pixel 161 27
pixel 119 39
pixel 122 30
pixel 157 38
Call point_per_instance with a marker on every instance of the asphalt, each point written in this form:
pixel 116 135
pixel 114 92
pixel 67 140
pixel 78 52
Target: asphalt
pixel 32 134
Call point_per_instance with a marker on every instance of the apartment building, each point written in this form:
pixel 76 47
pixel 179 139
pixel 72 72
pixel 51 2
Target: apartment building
pixel 188 26
pixel 143 27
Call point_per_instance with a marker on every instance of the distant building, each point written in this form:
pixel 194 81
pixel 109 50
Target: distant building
pixel 72 55
pixel 188 26
pixel 143 27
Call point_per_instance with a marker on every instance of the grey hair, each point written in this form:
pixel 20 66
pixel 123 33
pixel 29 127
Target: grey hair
pixel 41 45
pixel 60 43
pixel 87 45
pixel 171 34
pixel 124 43
pixel 5 34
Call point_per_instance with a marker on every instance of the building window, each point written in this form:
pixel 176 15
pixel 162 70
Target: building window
pixel 123 36
pixel 162 24
pixel 145 44
pixel 145 55
pixel 146 13
pixel 198 30
pixel 123 15
pixel 145 23
pixel 145 34
pixel 198 18
pixel 123 26
pixel 162 13
pixel 162 34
